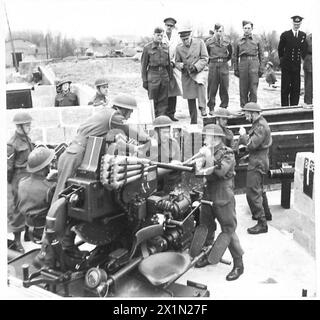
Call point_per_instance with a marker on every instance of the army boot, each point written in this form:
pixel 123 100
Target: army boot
pixel 236 271
pixel 260 227
pixel 203 111
pixel 17 245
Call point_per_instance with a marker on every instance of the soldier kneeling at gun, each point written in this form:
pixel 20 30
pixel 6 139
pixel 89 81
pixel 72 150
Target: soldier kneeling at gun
pixel 219 190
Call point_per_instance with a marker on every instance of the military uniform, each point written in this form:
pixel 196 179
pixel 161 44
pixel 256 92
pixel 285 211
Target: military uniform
pixel 290 50
pixel 192 87
pixel 258 142
pixel 34 198
pixel 98 100
pixel 66 99
pixel 250 52
pixel 307 68
pixel 18 150
pixel 155 69
pixel 219 189
pixel 228 140
pixel 220 52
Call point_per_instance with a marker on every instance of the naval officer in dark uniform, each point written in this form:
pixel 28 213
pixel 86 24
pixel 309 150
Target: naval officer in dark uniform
pixel 290 49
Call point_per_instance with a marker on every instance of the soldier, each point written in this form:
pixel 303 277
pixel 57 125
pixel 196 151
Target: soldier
pixel 18 150
pixel 172 39
pixel 222 115
pixel 155 69
pixel 35 192
pixel 101 97
pixel 97 125
pixel 307 68
pixel 291 45
pixel 249 69
pixel 191 60
pixel 220 52
pixel 165 149
pixel 64 96
pixel 258 142
pixel 219 190
pixel 270 75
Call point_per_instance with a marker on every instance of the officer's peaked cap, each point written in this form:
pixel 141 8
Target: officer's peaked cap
pixel 125 101
pixel 22 118
pixel 213 130
pixel 296 18
pixel 169 19
pixel 252 106
pixel 39 158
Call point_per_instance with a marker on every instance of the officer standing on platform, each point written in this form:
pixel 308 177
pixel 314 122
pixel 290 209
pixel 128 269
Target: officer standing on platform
pixel 191 60
pixel 219 190
pixel 258 141
pixel 172 39
pixel 220 52
pixel 249 69
pixel 307 68
pixel 18 149
pixel 290 49
pixel 155 70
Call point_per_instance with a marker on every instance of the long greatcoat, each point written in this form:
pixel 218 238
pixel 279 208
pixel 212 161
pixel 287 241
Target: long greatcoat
pixel 196 55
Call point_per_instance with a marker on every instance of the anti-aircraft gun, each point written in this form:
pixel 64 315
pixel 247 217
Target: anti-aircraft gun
pixel 138 240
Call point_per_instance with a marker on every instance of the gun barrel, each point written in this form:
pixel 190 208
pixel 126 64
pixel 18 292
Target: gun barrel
pixel 282 173
pixel 173 166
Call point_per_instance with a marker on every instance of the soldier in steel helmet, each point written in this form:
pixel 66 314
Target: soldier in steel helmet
pixel 19 147
pixel 258 141
pixel 101 97
pixel 164 148
pixel 35 191
pixel 97 125
pixel 219 189
pixel 64 96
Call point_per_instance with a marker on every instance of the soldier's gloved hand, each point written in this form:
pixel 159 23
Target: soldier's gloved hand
pixel 242 131
pixel 236 73
pixel 145 85
pixel 52 175
pixel 179 66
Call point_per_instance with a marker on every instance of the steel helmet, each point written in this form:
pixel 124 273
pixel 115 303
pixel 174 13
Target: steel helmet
pixel 252 106
pixel 125 101
pixel 162 121
pixel 213 130
pixel 101 82
pixel 22 118
pixel 60 83
pixel 221 113
pixel 39 158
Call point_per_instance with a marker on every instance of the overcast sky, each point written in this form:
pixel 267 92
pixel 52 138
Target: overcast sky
pixel 102 18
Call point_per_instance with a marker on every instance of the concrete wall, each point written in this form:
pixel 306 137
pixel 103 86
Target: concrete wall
pixel 304 204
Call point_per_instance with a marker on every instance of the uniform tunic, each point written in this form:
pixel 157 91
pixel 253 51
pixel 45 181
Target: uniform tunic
pixel 155 69
pixel 219 190
pixel 34 198
pixel 258 143
pixel 66 99
pixel 307 68
pixel 249 51
pixel 289 50
pixel 18 150
pixel 220 52
pixel 98 99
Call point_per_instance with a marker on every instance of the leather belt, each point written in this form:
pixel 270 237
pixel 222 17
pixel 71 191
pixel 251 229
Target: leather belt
pixel 249 57
pixel 218 60
pixel 157 68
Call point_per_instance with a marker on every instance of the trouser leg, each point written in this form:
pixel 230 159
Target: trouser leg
pixel 254 194
pixel 213 84
pixel 202 93
pixel 243 82
pixel 295 88
pixel 253 80
pixel 308 87
pixel 172 102
pixel 285 87
pixel 224 85
pixel 193 110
